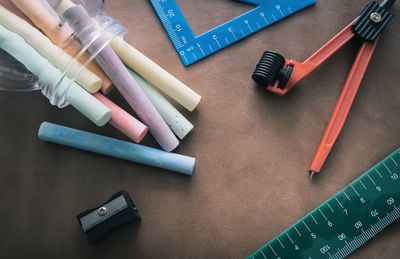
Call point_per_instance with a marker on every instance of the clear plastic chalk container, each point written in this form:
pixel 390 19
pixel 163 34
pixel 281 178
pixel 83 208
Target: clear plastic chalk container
pixel 53 61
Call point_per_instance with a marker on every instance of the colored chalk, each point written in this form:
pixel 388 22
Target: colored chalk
pixel 119 119
pixel 123 121
pixel 174 119
pixel 47 49
pixel 43 20
pixel 116 148
pixel 15 45
pixel 48 7
pixel 79 20
pixel 156 75
pixel 148 69
pixel 49 24
pixel 12 8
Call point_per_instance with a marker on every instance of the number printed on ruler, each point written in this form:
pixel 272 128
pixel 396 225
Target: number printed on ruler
pixel 347 220
pixel 192 48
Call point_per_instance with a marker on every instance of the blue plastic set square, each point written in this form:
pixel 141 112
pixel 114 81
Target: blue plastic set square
pixel 192 48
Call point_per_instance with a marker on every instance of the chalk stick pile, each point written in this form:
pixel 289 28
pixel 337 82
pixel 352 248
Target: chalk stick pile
pixel 74 57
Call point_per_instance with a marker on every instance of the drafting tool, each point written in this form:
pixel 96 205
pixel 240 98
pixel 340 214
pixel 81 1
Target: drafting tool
pixel 279 75
pixel 192 48
pixel 346 221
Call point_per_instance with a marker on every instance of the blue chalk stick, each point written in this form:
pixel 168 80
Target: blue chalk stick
pixel 116 148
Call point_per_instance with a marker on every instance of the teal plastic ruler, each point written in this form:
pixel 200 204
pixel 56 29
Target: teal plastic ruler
pixel 346 221
pixel 192 48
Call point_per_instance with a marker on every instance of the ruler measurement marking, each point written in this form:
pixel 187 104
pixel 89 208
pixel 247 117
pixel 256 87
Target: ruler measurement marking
pixel 322 214
pixel 249 27
pixel 234 35
pixel 210 48
pixel 273 250
pixel 281 243
pixel 340 253
pixel 290 10
pixel 345 194
pixel 219 45
pixel 354 244
pixel 306 226
pixel 242 32
pixel 376 169
pixel 259 27
pixel 355 191
pixel 363 184
pixel 265 19
pixel 201 50
pixel 194 56
pixel 263 254
pixel 297 231
pixel 394 161
pixel 371 179
pixel 185 58
pixel 339 202
pixel 314 219
pixel 289 238
pixel 281 12
pixel 330 207
pixel 387 168
pixel 227 42
pixel 274 17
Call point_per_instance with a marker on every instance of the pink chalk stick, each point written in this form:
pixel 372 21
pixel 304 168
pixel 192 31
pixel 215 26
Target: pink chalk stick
pixel 123 121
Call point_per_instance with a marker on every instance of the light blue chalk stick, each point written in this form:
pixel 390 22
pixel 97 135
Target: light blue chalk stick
pixel 116 148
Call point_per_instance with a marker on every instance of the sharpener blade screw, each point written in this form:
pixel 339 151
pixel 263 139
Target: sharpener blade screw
pixel 375 17
pixel 102 211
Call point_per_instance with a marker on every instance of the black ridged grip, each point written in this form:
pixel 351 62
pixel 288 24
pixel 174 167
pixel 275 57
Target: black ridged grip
pixel 284 76
pixel 270 69
pixel 365 27
pixel 267 70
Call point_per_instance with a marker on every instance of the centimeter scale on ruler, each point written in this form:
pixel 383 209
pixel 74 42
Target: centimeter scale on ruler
pixel 346 221
pixel 193 48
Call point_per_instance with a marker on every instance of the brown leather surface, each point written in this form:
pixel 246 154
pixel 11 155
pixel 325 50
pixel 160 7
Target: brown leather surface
pixel 253 148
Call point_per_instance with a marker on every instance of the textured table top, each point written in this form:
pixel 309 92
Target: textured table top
pixel 253 148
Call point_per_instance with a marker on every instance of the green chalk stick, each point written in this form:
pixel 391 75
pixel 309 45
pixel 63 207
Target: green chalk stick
pixel 174 119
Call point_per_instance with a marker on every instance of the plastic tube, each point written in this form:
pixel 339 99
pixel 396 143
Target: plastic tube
pixel 120 119
pixel 174 119
pixel 41 17
pixel 115 148
pixel 147 69
pixel 59 92
pixel 53 53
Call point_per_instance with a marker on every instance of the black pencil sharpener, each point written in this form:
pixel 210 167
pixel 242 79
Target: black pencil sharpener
pixel 98 222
